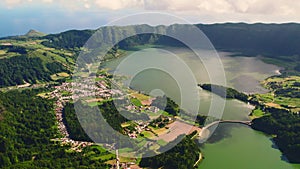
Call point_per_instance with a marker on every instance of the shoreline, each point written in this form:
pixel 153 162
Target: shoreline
pixel 199 159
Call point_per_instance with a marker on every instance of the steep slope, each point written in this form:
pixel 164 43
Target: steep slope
pixel 249 39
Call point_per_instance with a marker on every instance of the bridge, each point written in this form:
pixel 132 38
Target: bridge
pixel 248 123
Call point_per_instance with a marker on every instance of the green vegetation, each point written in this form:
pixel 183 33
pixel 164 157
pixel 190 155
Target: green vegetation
pixel 285 127
pixel 284 93
pixel 26 127
pixel 27 121
pixel 225 92
pixel 147 134
pixel 184 155
pixel 73 39
pixel 281 118
pixel 200 119
pixel 73 126
pixel 20 69
pixel 27 61
pixel 261 39
pixel 160 122
pixel 96 153
pixel 276 112
pixel 136 102
pixel 166 104
pixel 33 33
pixel 249 39
pixel 108 110
pixel 257 113
pixel 60 75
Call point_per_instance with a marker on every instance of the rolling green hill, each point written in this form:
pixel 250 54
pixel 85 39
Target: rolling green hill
pixel 278 43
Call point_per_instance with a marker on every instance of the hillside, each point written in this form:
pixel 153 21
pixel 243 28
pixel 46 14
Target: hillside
pixel 34 33
pixel 30 117
pixel 278 43
pixel 249 39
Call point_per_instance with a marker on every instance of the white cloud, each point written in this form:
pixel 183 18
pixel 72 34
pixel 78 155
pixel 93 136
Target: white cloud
pixel 86 5
pixel 48 1
pixel 119 4
pixel 217 6
pixel 12 3
pixel 234 10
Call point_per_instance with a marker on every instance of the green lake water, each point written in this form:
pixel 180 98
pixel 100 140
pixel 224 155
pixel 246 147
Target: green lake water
pixel 238 146
pixel 244 148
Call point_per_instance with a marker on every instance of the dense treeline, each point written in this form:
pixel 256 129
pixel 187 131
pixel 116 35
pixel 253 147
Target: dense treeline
pixel 20 69
pixel 73 126
pixel 27 124
pixel 225 92
pixel 251 39
pixel 134 116
pixel 100 129
pixel 166 104
pixel 272 40
pixel 68 40
pixel 286 127
pixel 200 119
pixel 112 115
pixel 17 49
pixel 288 92
pixel 56 67
pixel 255 39
pixel 184 155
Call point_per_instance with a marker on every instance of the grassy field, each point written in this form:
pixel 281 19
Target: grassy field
pixel 282 95
pixel 257 113
pixel 59 75
pixel 136 102
pixel 34 48
pixel 2 52
pixel 148 134
pixel 140 97
pixel 162 142
pixel 99 153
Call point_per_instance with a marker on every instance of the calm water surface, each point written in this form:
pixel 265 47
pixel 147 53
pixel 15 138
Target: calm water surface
pixel 238 146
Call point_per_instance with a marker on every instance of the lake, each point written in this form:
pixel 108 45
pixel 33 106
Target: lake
pixel 235 146
pixel 244 148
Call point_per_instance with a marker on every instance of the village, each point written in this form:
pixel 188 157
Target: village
pixel 158 127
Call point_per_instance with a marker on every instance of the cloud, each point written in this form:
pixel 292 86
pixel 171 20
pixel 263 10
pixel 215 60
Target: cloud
pixel 119 4
pixel 48 1
pixel 86 5
pixel 218 7
pixel 234 10
pixel 227 6
pixel 12 3
pixel 283 7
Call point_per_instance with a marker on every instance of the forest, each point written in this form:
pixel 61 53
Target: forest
pixel 94 124
pixel 27 123
pixel 20 69
pixel 285 126
pixel 240 38
pixel 184 155
pixel 166 104
pixel 247 37
pixel 225 92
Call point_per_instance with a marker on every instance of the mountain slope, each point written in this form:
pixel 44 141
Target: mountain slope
pixel 250 39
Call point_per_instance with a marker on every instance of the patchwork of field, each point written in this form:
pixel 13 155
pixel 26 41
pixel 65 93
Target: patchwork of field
pixel 284 93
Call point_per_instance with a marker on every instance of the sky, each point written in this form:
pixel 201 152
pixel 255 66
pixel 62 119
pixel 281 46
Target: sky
pixel 53 16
